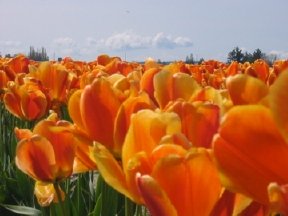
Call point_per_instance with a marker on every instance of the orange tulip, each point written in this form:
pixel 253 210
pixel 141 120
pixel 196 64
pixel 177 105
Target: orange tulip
pixel 199 121
pixel 57 144
pixel 180 184
pixel 145 132
pixel 248 142
pixel 27 100
pixel 94 110
pixel 170 86
pixel 245 89
pixel 57 79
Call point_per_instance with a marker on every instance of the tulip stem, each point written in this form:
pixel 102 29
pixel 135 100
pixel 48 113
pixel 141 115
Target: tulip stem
pixel 59 197
pixel 129 207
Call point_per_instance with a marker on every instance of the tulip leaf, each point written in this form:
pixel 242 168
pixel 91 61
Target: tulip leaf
pixel 23 210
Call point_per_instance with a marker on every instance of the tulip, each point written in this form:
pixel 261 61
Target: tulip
pixel 170 86
pixel 199 121
pixel 245 89
pixel 146 130
pixel 27 100
pixel 180 184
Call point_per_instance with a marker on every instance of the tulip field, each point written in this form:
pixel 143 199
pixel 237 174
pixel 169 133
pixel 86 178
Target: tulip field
pixel 111 137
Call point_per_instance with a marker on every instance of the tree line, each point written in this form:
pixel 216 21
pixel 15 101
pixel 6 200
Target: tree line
pixel 239 55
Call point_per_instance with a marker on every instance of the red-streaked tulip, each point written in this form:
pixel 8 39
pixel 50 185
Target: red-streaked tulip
pixel 27 100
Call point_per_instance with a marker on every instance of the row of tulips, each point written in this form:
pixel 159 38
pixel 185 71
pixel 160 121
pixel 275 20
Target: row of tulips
pixel 179 139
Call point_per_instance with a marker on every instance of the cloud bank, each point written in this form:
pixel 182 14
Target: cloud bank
pixel 129 40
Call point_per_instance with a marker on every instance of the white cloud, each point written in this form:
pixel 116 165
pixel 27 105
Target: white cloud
pixel 64 42
pixel 129 40
pixel 279 54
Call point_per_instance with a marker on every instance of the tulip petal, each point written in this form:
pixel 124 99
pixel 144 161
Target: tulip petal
pixel 245 89
pixel 30 152
pixel 122 121
pixel 146 130
pixel 250 151
pixel 99 105
pixel 200 186
pixel 74 109
pixel 155 198
pixel 279 103
pixel 199 124
pixel 110 169
pixel 46 194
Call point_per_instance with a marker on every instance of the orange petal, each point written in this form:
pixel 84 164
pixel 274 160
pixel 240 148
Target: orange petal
pixel 146 82
pixel 137 164
pixel 29 154
pixel 74 109
pixel 99 105
pixel 155 198
pixel 200 186
pixel 171 86
pixel 34 104
pixel 46 194
pixel 122 121
pixel 146 130
pixel 278 97
pixel 110 169
pixel 250 151
pixel 63 143
pixel 245 89
pixel 23 133
pixel 199 124
pixel 12 104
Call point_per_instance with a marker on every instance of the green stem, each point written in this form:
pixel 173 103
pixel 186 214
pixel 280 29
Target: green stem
pixel 129 207
pixel 59 197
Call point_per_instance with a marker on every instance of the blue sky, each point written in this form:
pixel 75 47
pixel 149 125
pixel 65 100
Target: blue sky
pixel 136 30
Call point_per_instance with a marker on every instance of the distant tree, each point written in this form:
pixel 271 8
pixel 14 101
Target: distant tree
pixel 201 60
pixel 258 54
pixel 190 59
pixel 248 57
pixel 38 55
pixel 235 55
pixel 8 56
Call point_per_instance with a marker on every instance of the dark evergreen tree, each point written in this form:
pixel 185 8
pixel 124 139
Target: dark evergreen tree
pixel 236 55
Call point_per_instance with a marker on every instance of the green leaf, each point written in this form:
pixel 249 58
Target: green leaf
pixel 24 210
